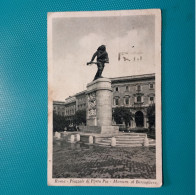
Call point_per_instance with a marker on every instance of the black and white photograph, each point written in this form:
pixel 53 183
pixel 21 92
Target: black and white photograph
pixel 104 98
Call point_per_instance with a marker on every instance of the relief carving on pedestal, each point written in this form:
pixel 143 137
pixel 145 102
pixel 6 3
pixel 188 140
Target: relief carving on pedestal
pixel 92 104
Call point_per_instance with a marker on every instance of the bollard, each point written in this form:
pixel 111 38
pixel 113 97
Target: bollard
pixel 77 137
pixel 146 141
pixel 62 134
pixel 72 139
pixel 113 141
pixel 90 139
pixel 57 135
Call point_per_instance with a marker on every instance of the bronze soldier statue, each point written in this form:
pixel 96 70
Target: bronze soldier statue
pixel 102 58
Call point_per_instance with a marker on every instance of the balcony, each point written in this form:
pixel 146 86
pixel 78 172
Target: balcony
pixel 138 90
pixel 138 104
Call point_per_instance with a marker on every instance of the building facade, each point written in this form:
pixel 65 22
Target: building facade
pixel 137 93
pixel 59 107
pixel 70 108
pixel 134 92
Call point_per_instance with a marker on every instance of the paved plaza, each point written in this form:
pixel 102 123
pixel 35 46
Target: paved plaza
pixel 91 161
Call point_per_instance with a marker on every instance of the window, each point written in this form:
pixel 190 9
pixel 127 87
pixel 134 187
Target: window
pixel 138 87
pixel 116 101
pixel 139 98
pixel 127 100
pixel 63 113
pixel 151 86
pixel 151 99
pixel 54 108
pixel 127 88
pixel 116 88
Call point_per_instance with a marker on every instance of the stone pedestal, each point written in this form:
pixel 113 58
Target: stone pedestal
pixel 146 141
pixel 99 107
pixel 113 141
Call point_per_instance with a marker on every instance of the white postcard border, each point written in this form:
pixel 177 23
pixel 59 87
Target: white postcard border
pixel 97 181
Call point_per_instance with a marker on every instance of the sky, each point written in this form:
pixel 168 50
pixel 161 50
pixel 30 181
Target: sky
pixel 74 41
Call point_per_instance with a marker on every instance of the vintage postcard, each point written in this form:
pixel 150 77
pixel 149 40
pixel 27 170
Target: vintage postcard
pixel 104 98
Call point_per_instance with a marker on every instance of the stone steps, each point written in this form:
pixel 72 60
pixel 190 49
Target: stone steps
pixel 126 140
pixel 131 134
pixel 129 145
pixel 122 141
pixel 104 143
pixel 129 138
pixel 120 144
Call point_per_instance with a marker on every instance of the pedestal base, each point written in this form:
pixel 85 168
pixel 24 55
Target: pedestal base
pixel 100 129
pixel 99 108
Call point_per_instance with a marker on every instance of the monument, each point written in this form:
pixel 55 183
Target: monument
pixel 102 58
pixel 99 99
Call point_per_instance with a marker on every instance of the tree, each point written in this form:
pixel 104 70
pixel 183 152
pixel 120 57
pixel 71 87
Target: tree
pixel 122 114
pixel 59 122
pixel 151 115
pixel 80 117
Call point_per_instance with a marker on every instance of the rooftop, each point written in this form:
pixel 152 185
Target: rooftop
pixel 59 102
pixel 70 99
pixel 133 78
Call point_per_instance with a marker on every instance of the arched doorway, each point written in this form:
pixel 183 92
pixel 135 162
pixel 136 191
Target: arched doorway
pixel 139 119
